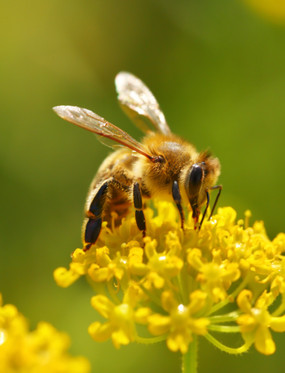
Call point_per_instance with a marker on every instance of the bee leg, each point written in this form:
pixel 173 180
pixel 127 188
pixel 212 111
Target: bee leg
pixel 206 208
pixel 94 223
pixel 220 187
pixel 177 199
pixel 140 219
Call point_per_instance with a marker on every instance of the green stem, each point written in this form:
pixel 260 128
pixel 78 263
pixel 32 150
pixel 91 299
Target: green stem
pixel 189 360
pixel 231 297
pixel 113 293
pixel 229 317
pixel 150 340
pixel 224 328
pixel 227 349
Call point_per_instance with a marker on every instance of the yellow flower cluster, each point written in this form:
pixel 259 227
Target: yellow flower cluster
pixel 43 350
pixel 174 285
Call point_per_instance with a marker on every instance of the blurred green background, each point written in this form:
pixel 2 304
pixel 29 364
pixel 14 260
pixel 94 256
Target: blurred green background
pixel 218 71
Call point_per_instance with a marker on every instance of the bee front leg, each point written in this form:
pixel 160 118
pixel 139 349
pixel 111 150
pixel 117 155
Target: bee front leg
pixel 177 199
pixel 140 218
pixel 94 215
pixel 206 208
pixel 220 187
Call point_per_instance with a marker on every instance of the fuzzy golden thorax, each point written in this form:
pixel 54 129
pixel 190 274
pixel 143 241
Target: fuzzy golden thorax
pixel 174 154
pixel 179 161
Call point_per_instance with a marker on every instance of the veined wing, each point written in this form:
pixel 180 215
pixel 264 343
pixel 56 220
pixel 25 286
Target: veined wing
pixel 94 123
pixel 138 103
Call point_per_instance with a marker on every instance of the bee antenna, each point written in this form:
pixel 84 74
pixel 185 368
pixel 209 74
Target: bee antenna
pixel 204 155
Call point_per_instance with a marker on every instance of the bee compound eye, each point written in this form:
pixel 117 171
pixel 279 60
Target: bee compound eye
pixel 159 159
pixel 196 175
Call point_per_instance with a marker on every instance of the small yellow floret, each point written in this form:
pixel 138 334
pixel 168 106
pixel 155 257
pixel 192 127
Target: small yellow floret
pixel 256 321
pixel 181 323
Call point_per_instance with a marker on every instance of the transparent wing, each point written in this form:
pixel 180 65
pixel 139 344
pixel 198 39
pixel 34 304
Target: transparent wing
pixel 139 103
pixel 92 122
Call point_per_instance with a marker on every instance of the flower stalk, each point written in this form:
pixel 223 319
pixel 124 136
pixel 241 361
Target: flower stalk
pixel 189 360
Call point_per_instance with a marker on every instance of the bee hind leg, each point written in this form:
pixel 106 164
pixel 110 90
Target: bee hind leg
pixel 177 199
pixel 94 214
pixel 140 218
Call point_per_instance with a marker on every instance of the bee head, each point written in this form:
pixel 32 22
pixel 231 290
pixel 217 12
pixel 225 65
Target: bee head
pixel 193 184
pixel 200 177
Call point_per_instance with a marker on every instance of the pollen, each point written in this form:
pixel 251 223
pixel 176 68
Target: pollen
pixel 175 285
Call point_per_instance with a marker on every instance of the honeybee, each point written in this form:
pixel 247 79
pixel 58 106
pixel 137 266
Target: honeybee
pixel 162 166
